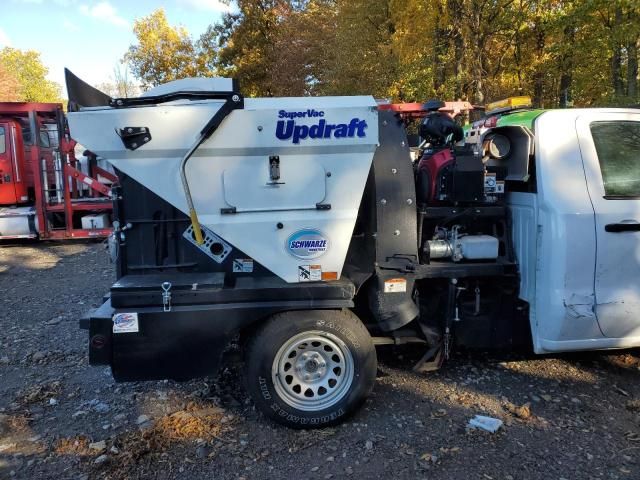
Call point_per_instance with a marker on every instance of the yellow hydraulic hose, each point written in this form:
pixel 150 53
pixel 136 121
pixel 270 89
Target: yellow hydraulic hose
pixel 195 223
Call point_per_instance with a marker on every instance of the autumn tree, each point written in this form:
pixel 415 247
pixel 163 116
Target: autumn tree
pixel 163 52
pixel 246 41
pixel 26 68
pixel 360 49
pixel 9 86
pixel 120 84
pixel 560 52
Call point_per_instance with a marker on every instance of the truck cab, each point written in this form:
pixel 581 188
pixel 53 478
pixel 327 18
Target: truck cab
pixel 576 228
pixel 46 192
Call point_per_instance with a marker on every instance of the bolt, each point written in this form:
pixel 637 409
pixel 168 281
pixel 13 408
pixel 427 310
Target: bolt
pixel 235 98
pixel 129 130
pixel 396 232
pixel 409 201
pixel 394 170
pixel 134 145
pixel 146 139
pixel 260 128
pixel 383 202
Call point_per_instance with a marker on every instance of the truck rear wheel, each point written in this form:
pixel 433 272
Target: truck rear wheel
pixel 310 369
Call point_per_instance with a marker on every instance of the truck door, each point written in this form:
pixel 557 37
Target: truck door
pixel 7 188
pixel 610 146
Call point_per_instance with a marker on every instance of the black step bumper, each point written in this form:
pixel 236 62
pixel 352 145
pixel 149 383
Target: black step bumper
pixel 189 340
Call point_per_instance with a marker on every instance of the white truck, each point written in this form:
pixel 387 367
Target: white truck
pixel 302 227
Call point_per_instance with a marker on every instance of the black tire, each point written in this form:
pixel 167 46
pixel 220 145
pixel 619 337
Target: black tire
pixel 332 330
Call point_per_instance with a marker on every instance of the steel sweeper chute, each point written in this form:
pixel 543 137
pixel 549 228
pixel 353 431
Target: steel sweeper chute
pixel 293 223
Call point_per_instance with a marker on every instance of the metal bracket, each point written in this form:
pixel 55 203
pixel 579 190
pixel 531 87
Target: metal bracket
pixel 212 245
pixel 134 137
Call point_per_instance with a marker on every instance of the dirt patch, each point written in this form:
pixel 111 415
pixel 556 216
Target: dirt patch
pixel 569 416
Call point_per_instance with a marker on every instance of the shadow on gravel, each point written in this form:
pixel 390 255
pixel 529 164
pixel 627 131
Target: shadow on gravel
pixel 36 255
pixel 413 426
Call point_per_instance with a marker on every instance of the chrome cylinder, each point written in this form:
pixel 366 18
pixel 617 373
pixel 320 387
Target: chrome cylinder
pixel 439 249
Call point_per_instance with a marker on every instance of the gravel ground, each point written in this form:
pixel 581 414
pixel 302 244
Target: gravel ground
pixel 571 417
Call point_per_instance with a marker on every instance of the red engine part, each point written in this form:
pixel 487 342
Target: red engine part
pixel 430 182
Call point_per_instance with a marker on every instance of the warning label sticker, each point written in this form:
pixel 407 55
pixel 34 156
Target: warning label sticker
pixel 395 285
pixel 243 265
pixel 309 273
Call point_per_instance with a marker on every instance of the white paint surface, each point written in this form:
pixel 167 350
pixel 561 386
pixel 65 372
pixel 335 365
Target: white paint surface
pixel 232 166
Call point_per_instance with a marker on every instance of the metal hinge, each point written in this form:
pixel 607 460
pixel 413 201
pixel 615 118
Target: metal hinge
pixel 134 137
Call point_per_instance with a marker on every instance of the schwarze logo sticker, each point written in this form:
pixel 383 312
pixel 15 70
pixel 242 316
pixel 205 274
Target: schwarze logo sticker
pixel 307 243
pixel 125 323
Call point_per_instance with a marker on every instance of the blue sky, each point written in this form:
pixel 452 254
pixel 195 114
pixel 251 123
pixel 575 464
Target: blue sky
pixel 91 36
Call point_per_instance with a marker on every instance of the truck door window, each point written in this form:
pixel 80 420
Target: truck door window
pixel 3 142
pixel 44 139
pixel 618 147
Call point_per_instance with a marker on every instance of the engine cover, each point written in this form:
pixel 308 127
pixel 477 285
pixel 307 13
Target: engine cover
pixel 450 176
pixel 434 179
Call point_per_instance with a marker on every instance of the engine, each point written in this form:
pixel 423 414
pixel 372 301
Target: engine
pixel 460 191
pixel 458 246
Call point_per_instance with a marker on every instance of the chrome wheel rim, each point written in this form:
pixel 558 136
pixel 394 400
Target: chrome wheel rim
pixel 313 371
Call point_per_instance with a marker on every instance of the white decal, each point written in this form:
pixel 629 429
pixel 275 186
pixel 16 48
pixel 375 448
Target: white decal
pixel 395 285
pixel 243 265
pixel 125 323
pixel 309 273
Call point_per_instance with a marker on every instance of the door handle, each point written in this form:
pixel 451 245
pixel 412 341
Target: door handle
pixel 625 226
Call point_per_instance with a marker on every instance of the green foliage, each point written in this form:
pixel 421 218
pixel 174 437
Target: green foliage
pixel 164 52
pixel 561 52
pixel 23 75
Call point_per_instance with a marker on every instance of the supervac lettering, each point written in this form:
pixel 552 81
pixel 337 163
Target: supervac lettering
pixel 287 129
pixel 303 114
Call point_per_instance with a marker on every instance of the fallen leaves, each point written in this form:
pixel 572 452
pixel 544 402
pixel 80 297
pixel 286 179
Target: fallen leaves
pixel 633 405
pixel 191 423
pixel 39 393
pixel 78 445
pixel 198 421
pixel 523 412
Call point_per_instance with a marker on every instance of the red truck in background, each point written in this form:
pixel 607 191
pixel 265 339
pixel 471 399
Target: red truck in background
pixel 46 192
